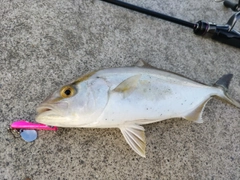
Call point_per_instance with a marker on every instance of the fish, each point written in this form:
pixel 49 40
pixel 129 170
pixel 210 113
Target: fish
pixel 128 98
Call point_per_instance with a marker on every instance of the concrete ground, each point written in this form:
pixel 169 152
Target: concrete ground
pixel 44 44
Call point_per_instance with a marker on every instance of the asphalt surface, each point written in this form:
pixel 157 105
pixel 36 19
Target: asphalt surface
pixel 45 44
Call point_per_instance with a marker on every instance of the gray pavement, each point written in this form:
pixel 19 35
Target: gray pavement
pixel 44 44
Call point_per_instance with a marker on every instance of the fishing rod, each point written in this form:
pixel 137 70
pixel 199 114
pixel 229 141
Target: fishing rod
pixel 222 33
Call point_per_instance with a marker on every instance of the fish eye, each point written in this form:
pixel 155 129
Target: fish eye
pixel 67 91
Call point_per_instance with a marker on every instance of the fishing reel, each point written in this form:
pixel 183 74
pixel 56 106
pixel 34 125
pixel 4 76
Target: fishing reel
pixel 223 33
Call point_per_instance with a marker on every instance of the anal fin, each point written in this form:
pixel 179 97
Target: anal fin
pixel 196 114
pixel 135 137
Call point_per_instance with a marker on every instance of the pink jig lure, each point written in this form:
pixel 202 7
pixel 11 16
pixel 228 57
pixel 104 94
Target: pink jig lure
pixel 27 130
pixel 23 124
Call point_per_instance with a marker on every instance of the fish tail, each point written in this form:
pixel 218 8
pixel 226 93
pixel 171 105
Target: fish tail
pixel 223 83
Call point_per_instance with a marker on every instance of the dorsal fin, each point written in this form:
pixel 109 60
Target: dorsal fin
pixel 142 63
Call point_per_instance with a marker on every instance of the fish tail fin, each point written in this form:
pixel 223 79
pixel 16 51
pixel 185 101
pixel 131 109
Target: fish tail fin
pixel 223 83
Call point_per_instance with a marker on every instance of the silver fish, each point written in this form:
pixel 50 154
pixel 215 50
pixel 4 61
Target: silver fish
pixel 129 97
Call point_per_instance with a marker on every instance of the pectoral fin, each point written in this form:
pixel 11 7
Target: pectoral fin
pixel 135 137
pixel 196 114
pixel 128 85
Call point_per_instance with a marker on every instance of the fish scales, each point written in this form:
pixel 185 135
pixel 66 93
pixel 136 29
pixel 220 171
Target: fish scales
pixel 155 98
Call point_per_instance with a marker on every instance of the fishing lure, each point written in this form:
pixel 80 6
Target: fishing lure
pixel 27 130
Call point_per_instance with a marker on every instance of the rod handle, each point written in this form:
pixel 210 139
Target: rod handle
pixel 231 38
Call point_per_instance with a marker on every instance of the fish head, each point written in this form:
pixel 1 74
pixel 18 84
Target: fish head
pixel 77 104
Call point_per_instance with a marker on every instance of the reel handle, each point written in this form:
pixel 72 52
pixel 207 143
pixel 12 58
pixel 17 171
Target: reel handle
pixel 233 6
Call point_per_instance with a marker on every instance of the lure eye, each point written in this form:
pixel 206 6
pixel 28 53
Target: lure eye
pixel 67 91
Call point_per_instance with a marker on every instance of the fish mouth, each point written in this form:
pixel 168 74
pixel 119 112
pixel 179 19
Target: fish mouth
pixel 51 113
pixel 42 109
pixel 44 112
pixel 51 109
